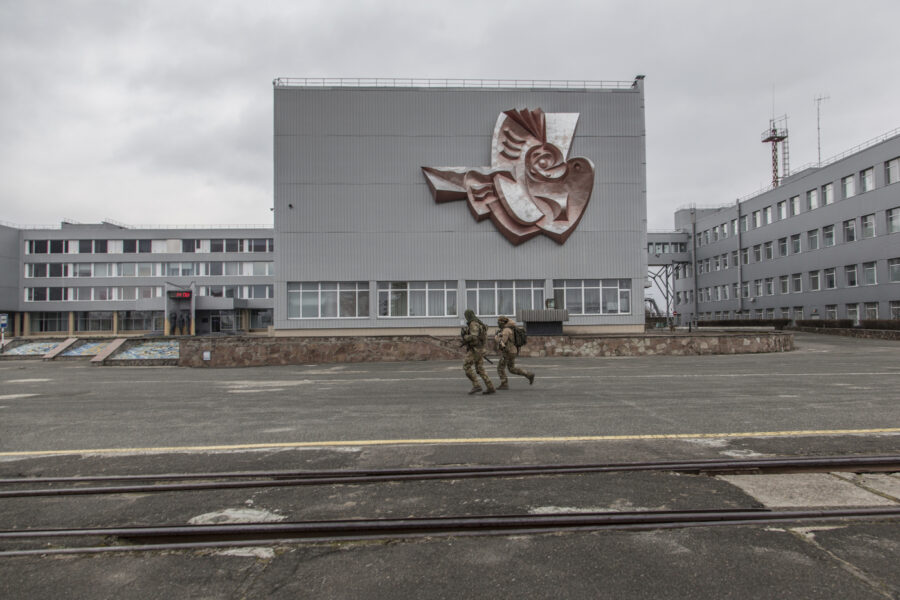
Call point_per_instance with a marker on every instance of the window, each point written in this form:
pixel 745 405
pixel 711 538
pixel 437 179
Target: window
pixel 867 180
pixel 744 223
pixel 101 246
pixel 871 310
pixel 827 194
pixel 812 239
pixel 797 283
pixel 593 296
pixel 734 227
pixel 892 171
pixel 784 284
pixel 757 219
pixel 126 269
pixel 259 291
pixel 745 290
pixel 782 210
pixel 767 215
pixel 416 298
pixel 140 320
pixel 853 312
pixel 59 246
pixel 734 258
pixel 795 205
pixel 42 322
pixel 129 246
pixel 848 186
pixel 234 245
pixel 768 251
pixel 893 220
pixel 868 226
pixel 724 230
pixel 831 312
pixel 217 245
pixel 869 277
pixel 795 243
pixel 895 310
pixel 94 321
pixel 505 297
pixel 757 253
pixel 812 199
pixel 323 300
pixel 259 245
pixel 814 281
pixel 783 247
pixel 715 233
pixel 830 279
pixel 758 287
pixel 850 230
pixel 770 286
pixel 103 270
pixel 850 275
pixel 745 256
pixel 828 236
pixel 894 270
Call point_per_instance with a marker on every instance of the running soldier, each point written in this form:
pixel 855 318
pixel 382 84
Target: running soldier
pixel 506 344
pixel 474 335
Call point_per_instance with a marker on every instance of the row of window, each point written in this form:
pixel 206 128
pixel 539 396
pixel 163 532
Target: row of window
pixel 792 245
pixel 171 269
pixel 148 246
pixel 330 300
pixel 829 279
pixel 832 312
pixel 666 247
pixel 106 293
pixel 133 320
pixel 813 199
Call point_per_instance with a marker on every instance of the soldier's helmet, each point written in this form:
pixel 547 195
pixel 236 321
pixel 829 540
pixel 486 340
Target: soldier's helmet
pixel 501 321
pixel 470 315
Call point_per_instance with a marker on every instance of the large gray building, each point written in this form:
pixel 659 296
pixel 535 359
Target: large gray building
pixel 111 279
pixel 824 244
pixel 400 204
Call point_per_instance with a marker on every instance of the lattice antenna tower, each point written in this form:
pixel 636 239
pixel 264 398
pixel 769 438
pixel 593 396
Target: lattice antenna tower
pixel 776 134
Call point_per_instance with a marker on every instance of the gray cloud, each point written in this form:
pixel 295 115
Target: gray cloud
pixel 160 111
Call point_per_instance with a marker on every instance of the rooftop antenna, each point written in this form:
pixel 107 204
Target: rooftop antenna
pixel 819 99
pixel 777 133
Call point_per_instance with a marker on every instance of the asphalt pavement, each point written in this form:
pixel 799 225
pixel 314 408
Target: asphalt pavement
pixel 832 396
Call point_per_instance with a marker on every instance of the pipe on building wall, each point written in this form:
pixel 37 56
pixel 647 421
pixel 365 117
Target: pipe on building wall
pixel 696 314
pixel 740 262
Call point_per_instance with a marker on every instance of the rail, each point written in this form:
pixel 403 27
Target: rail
pixel 395 82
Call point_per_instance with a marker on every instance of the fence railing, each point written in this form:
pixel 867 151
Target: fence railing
pixel 390 82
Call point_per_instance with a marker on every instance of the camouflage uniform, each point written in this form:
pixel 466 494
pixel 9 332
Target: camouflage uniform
pixel 506 345
pixel 474 362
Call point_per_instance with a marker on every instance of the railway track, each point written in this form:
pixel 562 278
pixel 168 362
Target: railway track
pixel 168 537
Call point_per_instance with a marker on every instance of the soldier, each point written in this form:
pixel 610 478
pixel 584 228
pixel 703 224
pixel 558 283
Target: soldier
pixel 506 343
pixel 474 335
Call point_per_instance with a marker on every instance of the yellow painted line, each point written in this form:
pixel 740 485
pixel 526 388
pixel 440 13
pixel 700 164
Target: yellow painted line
pixel 492 440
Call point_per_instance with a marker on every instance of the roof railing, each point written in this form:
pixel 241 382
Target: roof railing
pixel 395 82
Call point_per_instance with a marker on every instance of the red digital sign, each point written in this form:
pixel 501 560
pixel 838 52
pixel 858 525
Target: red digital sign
pixel 182 295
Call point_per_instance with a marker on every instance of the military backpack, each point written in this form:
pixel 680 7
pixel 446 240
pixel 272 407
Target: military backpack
pixel 520 338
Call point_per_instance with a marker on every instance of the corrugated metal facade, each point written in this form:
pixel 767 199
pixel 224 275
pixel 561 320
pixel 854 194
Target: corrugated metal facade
pixel 352 204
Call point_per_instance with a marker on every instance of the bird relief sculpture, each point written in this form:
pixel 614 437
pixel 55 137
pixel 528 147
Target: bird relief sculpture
pixel 530 187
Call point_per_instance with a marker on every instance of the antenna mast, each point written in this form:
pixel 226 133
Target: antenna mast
pixel 819 99
pixel 775 135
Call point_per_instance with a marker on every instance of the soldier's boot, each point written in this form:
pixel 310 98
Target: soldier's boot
pixel 490 390
pixel 503 386
pixel 475 389
pixel 530 377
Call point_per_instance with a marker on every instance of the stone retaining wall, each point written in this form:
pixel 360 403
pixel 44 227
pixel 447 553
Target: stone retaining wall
pixel 253 351
pixel 872 334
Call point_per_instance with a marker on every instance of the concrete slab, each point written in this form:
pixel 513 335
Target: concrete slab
pixel 885 484
pixel 798 490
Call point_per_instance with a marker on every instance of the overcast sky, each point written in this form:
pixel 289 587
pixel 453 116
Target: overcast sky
pixel 160 112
